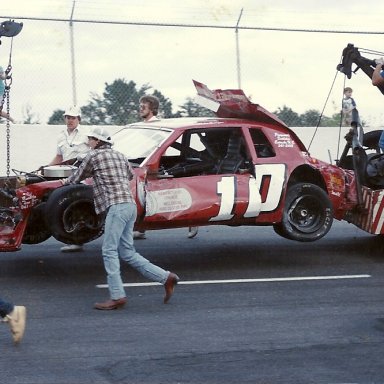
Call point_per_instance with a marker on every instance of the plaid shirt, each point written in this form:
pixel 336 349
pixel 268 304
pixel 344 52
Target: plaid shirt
pixel 111 173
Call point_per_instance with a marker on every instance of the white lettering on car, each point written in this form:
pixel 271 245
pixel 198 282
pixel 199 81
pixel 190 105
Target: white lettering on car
pixel 168 200
pixel 283 140
pixel 27 200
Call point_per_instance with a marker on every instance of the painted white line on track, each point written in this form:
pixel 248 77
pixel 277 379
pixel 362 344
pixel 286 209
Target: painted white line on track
pixel 273 279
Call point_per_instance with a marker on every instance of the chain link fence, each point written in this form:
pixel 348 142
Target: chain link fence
pixel 55 64
pixel 59 63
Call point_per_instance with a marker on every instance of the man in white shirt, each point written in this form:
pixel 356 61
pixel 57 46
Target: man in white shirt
pixel 71 143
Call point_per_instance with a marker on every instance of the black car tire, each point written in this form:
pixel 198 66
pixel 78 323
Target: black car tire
pixel 36 231
pixel 308 213
pixel 70 215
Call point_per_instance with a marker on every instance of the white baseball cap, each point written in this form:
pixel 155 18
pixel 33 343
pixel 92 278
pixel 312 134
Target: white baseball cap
pixel 100 134
pixel 73 111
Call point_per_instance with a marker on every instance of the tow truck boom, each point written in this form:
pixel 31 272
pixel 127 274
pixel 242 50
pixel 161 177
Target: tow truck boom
pixel 351 55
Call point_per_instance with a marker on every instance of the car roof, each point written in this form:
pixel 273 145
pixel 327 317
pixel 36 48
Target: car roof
pixel 203 122
pixel 174 124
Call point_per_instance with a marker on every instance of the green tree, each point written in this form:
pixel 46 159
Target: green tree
pixel 165 105
pixel 118 105
pixel 310 118
pixel 289 117
pixel 57 117
pixel 333 121
pixel 192 109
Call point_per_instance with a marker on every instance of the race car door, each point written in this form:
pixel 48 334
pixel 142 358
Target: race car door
pixel 204 177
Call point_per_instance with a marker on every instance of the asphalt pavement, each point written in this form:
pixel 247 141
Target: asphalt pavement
pixel 251 307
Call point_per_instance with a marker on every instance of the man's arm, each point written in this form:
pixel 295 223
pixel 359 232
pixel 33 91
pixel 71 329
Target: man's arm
pixel 84 171
pixel 56 160
pixel 377 79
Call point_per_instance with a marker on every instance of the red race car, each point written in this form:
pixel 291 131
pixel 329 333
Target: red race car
pixel 243 167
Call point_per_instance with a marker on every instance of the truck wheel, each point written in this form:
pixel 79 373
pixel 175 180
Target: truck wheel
pixel 70 215
pixel 36 231
pixel 308 213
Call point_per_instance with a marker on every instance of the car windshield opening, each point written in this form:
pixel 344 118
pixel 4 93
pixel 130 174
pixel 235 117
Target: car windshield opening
pixel 139 142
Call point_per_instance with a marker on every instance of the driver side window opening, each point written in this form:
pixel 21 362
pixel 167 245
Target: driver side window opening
pixel 262 146
pixel 205 152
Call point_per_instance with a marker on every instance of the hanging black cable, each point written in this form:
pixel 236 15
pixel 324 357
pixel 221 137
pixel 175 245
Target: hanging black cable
pixel 322 112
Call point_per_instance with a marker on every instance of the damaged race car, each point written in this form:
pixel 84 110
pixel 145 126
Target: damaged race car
pixel 242 167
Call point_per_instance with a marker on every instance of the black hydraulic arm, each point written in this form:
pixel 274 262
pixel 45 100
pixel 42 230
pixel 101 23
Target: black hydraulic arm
pixel 352 55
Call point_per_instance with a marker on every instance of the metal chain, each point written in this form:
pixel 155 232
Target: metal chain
pixel 8 82
pixel 8 132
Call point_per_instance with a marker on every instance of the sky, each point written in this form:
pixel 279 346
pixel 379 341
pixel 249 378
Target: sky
pixel 273 64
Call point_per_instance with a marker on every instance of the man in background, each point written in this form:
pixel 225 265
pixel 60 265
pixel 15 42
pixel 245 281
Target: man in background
pixel 71 143
pixel 148 109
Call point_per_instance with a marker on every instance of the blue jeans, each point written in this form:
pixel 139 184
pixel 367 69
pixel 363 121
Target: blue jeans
pixel 5 308
pixel 118 241
pixel 381 141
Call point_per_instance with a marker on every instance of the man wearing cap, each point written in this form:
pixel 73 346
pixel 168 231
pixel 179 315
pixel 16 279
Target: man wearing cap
pixel 111 173
pixel 71 143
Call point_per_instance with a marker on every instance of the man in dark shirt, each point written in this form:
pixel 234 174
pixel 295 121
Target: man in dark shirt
pixel 111 173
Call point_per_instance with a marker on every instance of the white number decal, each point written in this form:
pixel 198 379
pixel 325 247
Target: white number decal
pixel 264 192
pixel 254 200
pixel 225 188
pixel 270 180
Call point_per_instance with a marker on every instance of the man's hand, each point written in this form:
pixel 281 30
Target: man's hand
pixel 379 61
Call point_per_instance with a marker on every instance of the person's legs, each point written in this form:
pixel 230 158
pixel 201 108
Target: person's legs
pixel 128 252
pixel 118 242
pixel 114 226
pixel 15 316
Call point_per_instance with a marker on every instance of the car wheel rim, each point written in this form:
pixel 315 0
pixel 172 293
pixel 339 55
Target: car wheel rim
pixel 306 214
